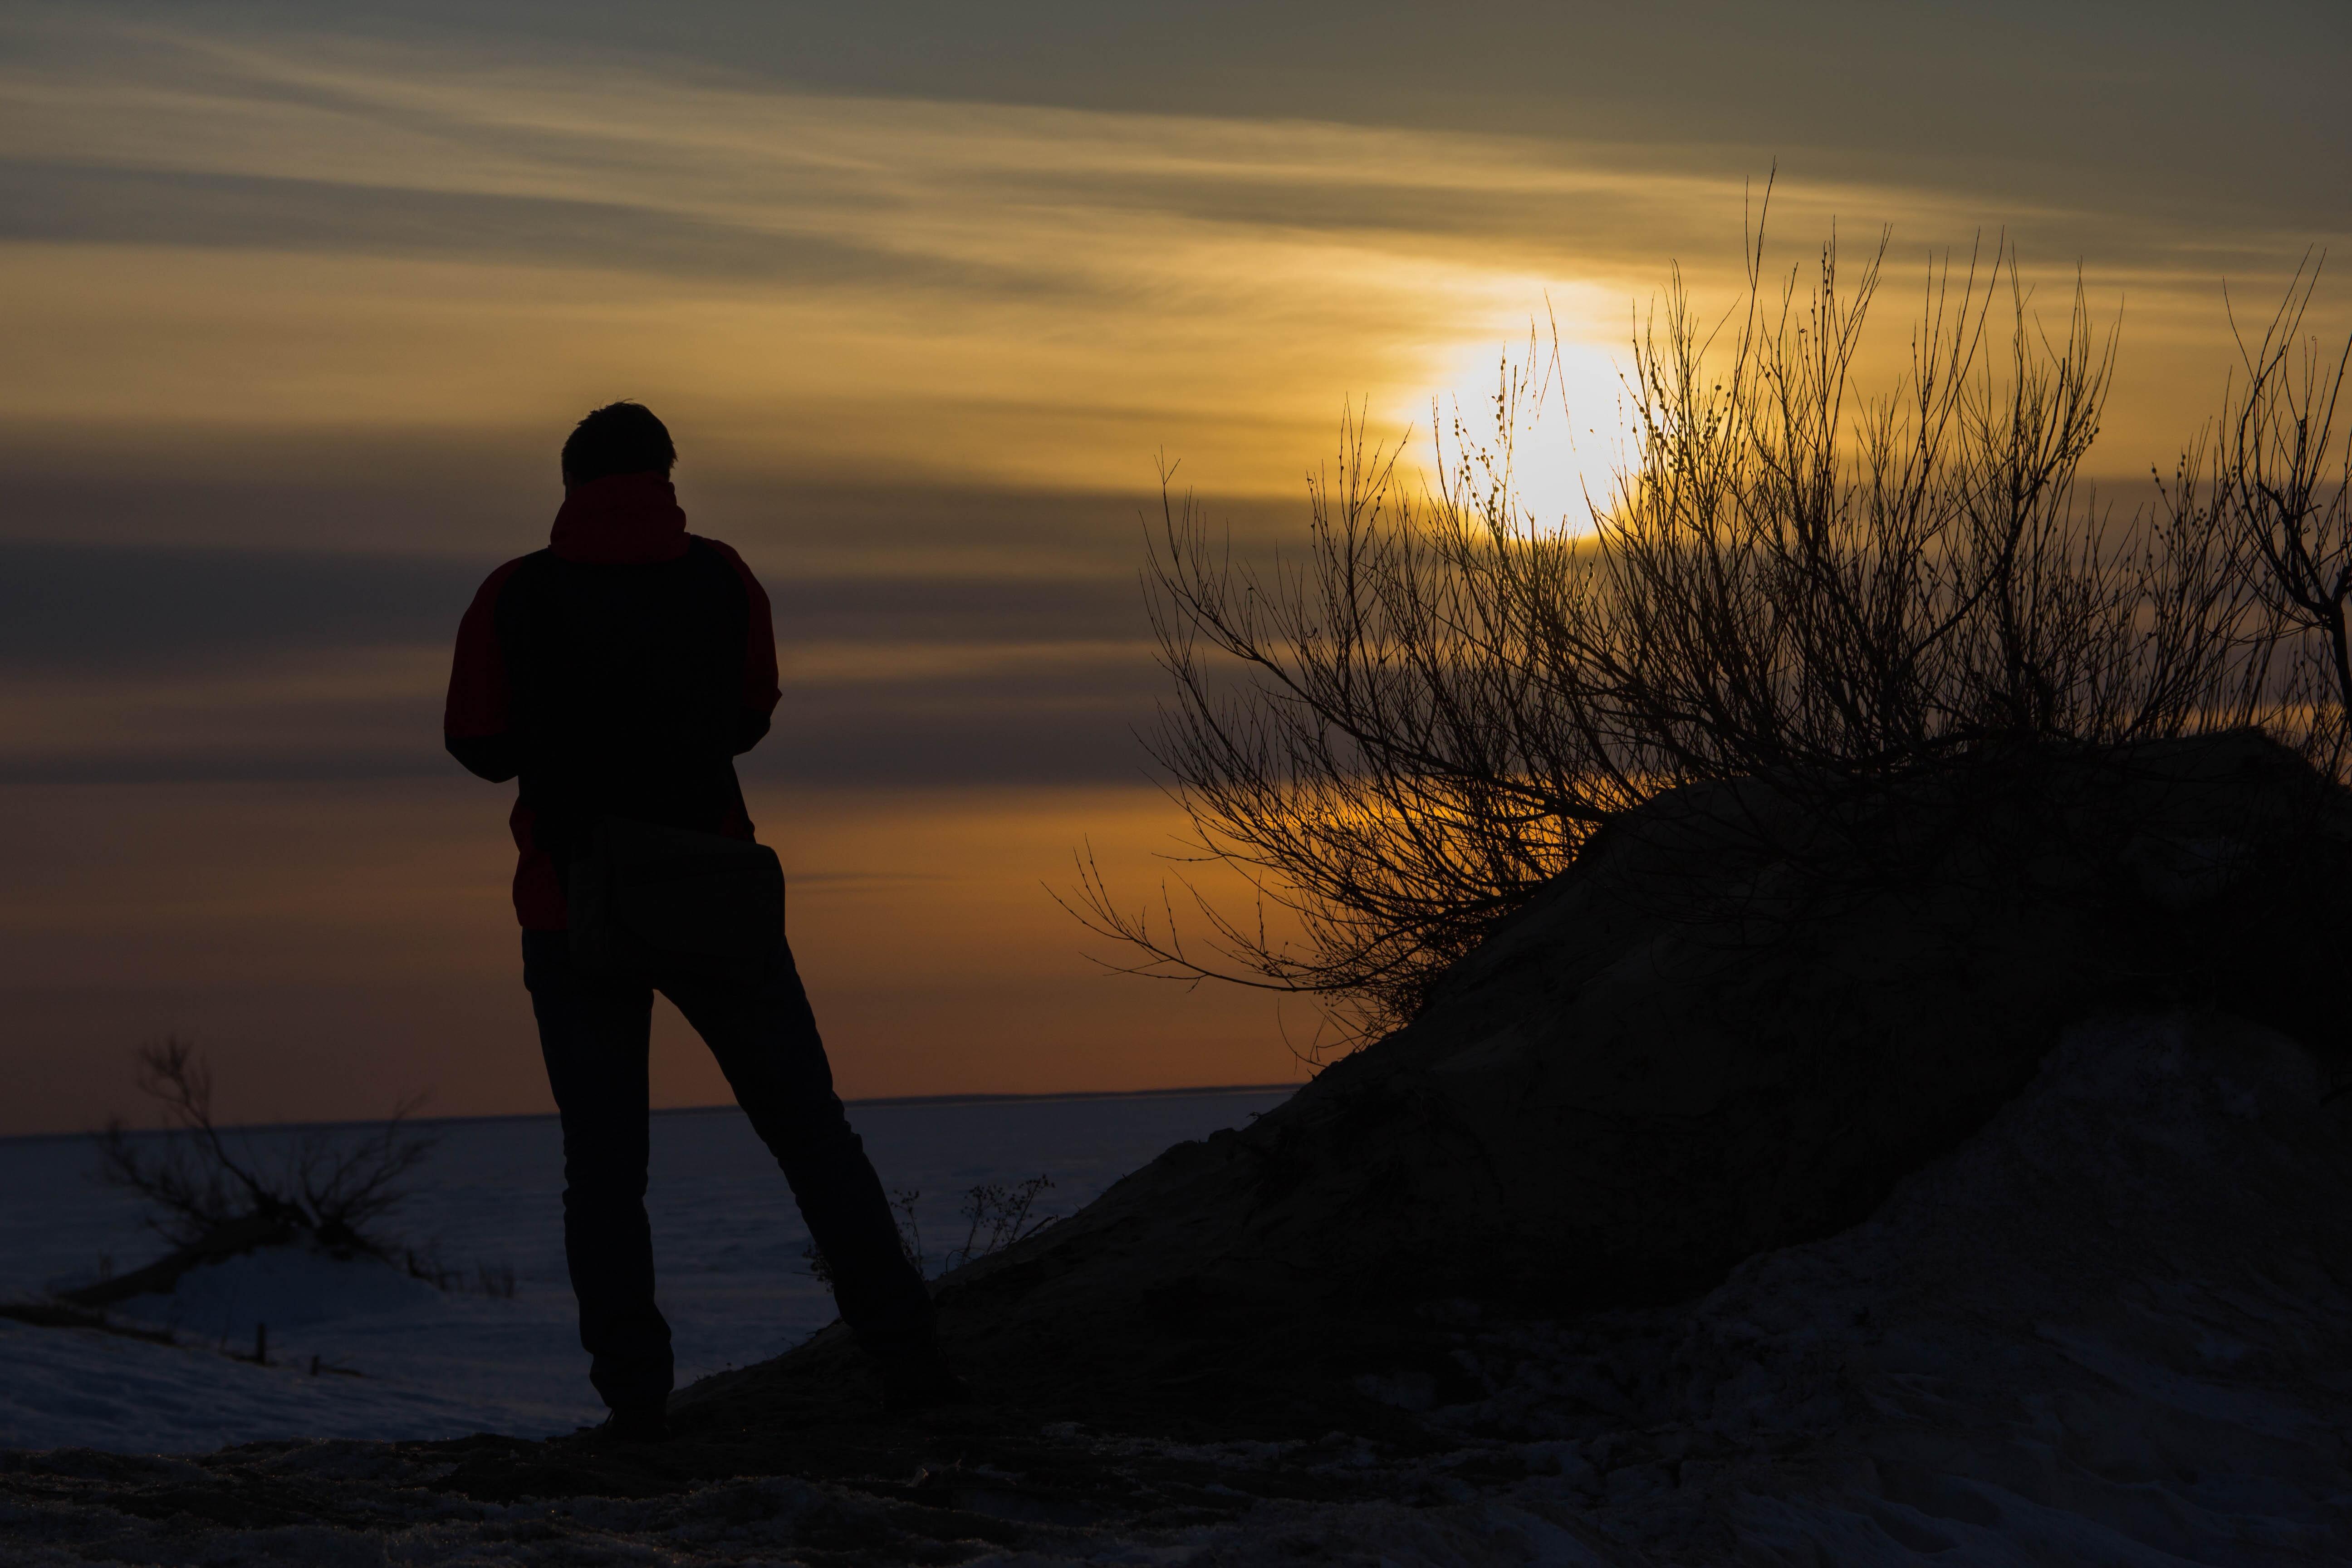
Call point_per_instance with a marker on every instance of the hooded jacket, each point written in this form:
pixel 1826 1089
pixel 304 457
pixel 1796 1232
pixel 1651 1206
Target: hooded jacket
pixel 618 672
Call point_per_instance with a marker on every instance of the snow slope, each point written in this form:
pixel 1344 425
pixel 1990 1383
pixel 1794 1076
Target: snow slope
pixel 2115 1327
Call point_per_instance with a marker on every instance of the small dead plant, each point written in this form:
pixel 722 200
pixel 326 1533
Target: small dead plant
pixel 997 1215
pixel 331 1188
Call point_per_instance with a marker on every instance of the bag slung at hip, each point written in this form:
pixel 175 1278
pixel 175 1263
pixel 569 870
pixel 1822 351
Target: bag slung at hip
pixel 648 901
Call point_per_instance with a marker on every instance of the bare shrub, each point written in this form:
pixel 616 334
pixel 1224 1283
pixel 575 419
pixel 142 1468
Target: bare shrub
pixel 426 1263
pixel 2280 488
pixel 998 1214
pixel 1397 739
pixel 495 1281
pixel 332 1188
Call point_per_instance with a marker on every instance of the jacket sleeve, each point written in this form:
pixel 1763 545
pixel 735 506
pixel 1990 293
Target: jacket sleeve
pixel 759 692
pixel 478 723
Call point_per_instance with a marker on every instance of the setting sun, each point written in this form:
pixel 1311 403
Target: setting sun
pixel 1555 414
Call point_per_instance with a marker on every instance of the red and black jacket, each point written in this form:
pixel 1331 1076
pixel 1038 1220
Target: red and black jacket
pixel 618 672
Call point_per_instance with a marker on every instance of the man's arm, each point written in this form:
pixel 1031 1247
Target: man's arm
pixel 478 723
pixel 759 692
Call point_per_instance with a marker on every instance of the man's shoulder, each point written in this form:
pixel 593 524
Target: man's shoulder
pixel 509 574
pixel 507 571
pixel 718 558
pixel 718 548
pixel 492 595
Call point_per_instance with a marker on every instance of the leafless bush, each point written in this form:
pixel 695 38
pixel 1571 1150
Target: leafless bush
pixel 426 1263
pixel 1399 738
pixel 1797 585
pixel 998 1214
pixel 331 1188
pixel 2281 487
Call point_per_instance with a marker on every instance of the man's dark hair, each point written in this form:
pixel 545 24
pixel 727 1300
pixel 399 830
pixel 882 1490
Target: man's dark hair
pixel 618 438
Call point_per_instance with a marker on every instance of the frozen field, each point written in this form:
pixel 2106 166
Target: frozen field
pixel 429 1364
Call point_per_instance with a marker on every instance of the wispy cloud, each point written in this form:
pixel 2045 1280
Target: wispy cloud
pixel 365 230
pixel 132 664
pixel 66 204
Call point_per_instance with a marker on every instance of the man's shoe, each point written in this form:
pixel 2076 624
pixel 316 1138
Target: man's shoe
pixel 635 1424
pixel 920 1380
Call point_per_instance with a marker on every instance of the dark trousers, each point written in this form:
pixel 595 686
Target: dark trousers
pixel 595 1036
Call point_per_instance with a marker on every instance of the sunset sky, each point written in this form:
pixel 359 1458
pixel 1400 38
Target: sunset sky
pixel 299 302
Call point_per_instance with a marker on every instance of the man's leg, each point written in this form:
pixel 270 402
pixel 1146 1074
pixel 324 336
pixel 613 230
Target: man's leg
pixel 765 1039
pixel 595 1037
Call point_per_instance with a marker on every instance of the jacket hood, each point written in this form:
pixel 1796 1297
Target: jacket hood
pixel 621 520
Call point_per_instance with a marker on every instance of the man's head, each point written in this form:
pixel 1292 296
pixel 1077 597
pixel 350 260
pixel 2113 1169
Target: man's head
pixel 618 438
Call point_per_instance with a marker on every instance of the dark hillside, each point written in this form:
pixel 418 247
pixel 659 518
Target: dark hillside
pixel 1729 1028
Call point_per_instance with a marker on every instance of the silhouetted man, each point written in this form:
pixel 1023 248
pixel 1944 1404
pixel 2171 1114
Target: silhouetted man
pixel 618 673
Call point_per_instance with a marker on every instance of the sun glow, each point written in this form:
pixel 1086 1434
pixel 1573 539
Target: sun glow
pixel 1547 426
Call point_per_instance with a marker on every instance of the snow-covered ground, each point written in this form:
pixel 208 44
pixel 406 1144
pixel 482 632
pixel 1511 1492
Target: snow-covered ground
pixel 431 1364
pixel 2114 1327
